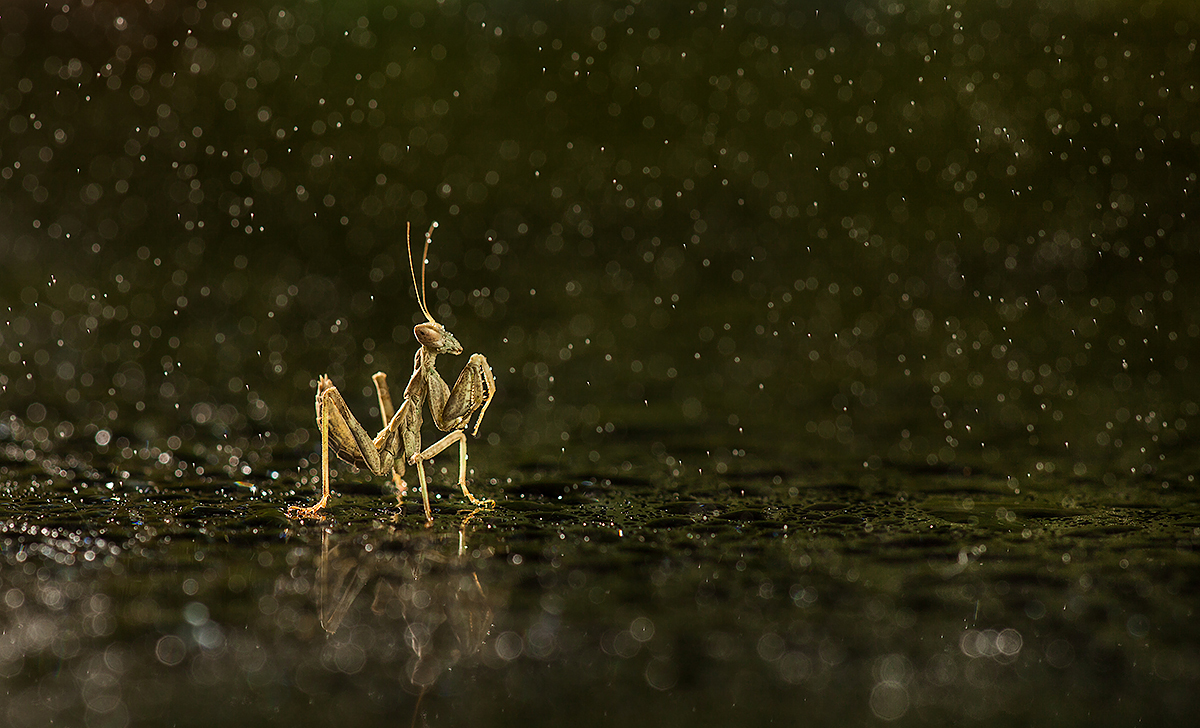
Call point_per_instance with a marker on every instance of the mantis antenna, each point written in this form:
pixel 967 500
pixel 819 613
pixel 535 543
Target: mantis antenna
pixel 412 269
pixel 425 257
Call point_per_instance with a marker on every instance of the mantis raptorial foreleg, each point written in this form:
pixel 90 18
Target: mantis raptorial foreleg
pixel 452 410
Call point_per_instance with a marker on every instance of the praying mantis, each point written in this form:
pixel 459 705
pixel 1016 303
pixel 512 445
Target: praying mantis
pixel 399 442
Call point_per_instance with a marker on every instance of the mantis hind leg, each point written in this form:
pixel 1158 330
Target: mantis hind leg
pixel 342 434
pixel 314 510
pixel 386 410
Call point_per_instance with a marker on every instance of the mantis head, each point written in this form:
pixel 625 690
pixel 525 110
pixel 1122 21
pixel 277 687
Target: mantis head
pixel 430 334
pixel 433 335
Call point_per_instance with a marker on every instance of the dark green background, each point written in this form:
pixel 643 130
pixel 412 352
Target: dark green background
pixel 830 227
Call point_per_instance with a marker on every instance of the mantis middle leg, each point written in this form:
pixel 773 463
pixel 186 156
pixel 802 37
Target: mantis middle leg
pixel 429 453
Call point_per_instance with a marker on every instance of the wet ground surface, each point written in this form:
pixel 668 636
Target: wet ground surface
pixel 829 594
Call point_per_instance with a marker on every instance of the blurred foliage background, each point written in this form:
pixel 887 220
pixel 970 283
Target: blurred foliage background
pixel 926 232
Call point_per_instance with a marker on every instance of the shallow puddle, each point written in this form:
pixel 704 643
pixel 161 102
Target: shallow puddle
pixel 821 594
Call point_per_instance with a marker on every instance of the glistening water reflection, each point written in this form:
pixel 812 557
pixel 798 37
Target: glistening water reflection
pixel 810 593
pixel 441 611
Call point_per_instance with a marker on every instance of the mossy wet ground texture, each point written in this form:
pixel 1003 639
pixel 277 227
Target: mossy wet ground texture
pixel 844 354
pixel 884 594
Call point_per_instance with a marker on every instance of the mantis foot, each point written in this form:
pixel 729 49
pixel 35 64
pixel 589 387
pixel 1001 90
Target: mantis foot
pixel 302 512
